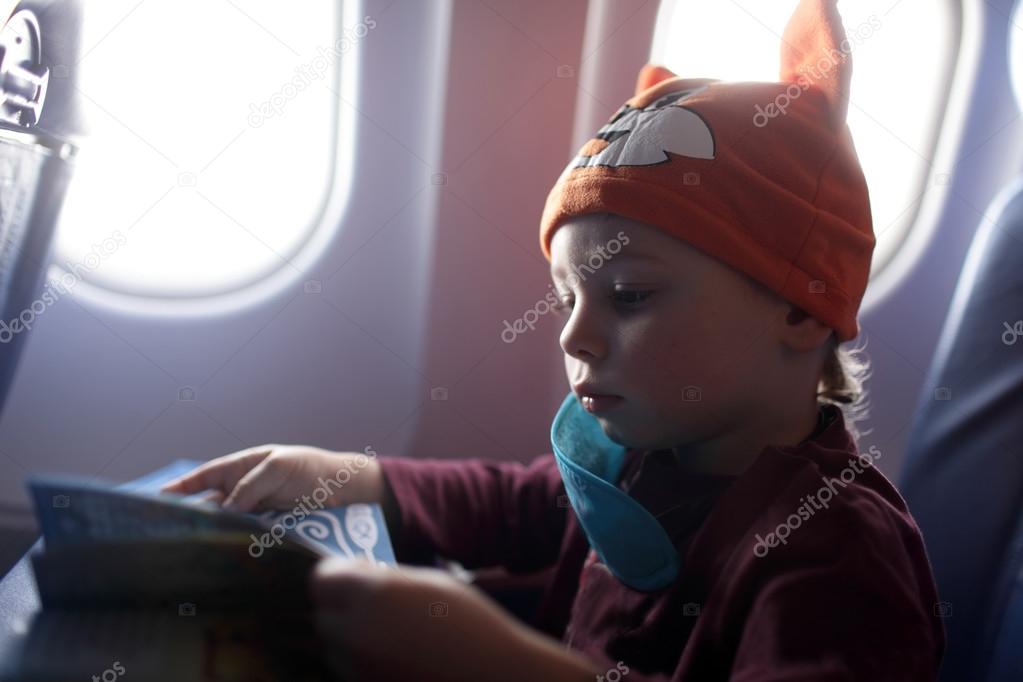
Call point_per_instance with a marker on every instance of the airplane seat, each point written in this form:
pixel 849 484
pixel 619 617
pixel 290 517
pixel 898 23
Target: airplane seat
pixel 963 477
pixel 37 43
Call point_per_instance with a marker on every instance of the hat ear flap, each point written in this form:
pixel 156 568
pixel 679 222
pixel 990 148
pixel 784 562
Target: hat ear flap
pixel 814 51
pixel 650 75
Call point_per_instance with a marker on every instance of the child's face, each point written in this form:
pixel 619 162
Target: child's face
pixel 686 341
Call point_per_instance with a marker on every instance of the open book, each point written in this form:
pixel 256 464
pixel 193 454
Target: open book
pixel 170 587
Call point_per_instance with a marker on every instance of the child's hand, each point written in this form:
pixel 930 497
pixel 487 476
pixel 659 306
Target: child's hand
pixel 272 476
pixel 404 623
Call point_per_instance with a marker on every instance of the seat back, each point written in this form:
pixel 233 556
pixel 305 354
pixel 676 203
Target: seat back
pixel 34 166
pixel 963 478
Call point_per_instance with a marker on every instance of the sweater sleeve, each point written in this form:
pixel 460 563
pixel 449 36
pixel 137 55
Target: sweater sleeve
pixel 475 511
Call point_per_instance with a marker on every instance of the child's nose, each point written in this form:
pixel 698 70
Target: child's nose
pixel 583 336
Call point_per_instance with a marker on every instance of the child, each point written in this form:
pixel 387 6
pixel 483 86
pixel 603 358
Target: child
pixel 706 512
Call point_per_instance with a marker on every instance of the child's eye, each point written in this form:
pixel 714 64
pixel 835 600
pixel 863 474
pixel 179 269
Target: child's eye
pixel 631 297
pixel 622 297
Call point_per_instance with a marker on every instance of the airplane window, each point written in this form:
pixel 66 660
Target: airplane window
pixel 1016 54
pixel 899 85
pixel 208 141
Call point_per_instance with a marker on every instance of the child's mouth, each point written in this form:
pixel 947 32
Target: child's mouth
pixel 600 403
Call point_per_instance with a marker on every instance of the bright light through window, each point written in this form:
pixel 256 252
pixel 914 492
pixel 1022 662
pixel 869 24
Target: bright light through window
pixel 900 82
pixel 209 140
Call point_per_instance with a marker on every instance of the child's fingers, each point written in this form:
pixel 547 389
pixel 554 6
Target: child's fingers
pixel 212 474
pixel 344 585
pixel 262 481
pixel 218 474
pixel 214 496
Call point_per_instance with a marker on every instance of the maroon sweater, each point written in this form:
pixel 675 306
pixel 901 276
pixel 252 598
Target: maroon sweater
pixel 808 566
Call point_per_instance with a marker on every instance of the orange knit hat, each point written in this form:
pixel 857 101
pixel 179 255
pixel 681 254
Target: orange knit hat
pixel 761 175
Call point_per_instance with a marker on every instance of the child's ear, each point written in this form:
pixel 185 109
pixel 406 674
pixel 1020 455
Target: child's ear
pixel 804 332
